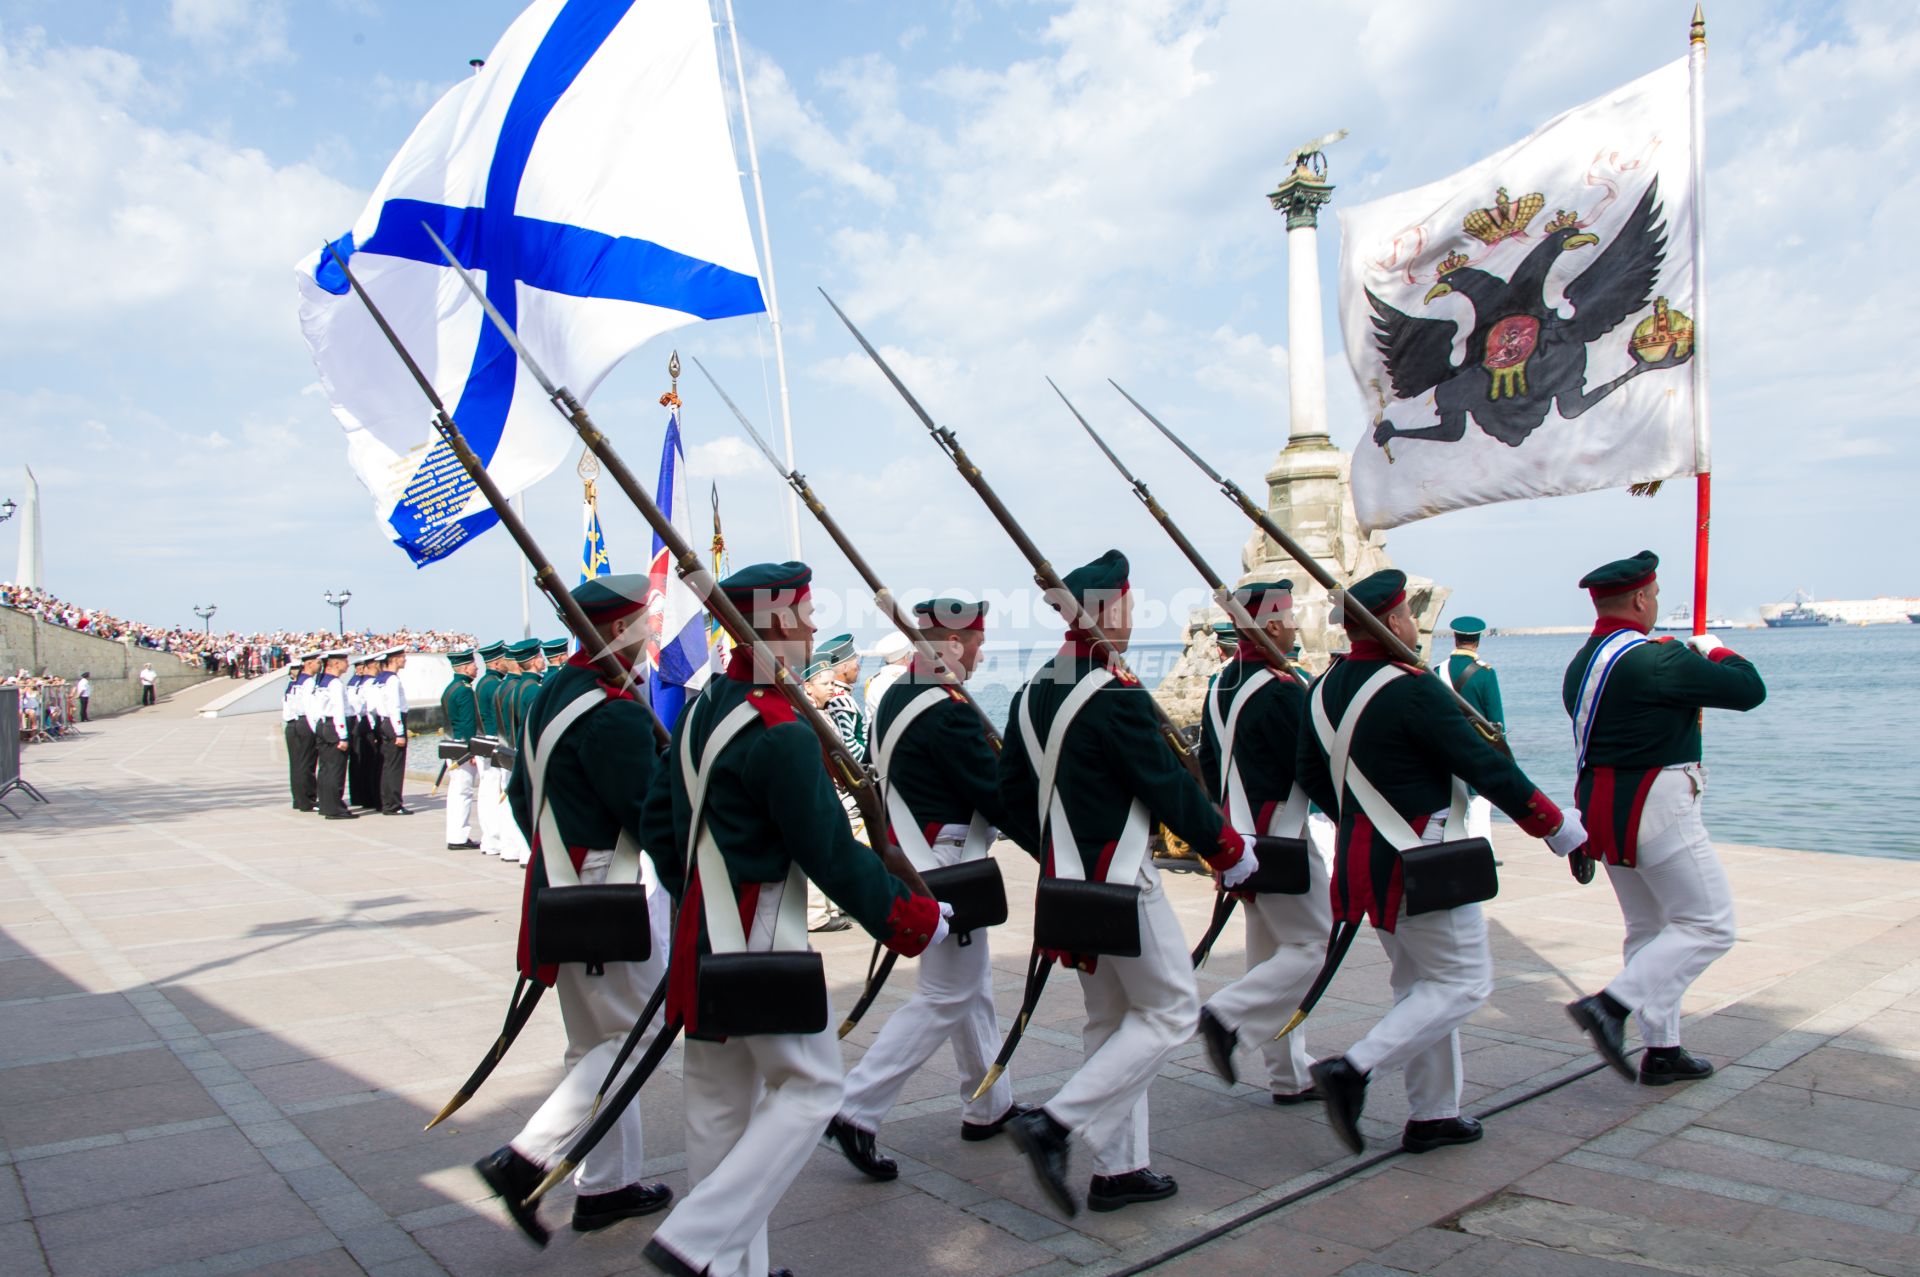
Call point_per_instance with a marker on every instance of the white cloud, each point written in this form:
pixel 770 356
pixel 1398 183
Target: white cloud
pixel 727 457
pixel 234 32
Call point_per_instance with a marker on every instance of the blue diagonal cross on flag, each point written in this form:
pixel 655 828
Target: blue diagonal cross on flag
pixel 587 175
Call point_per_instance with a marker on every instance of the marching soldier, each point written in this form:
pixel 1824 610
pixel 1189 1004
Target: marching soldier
pixel 490 788
pixel 1114 780
pixel 362 748
pixel 1636 707
pixel 387 700
pixel 1479 686
pixel 756 1104
pixel 327 715
pixel 943 803
pixel 1405 746
pixel 302 757
pixel 595 789
pixel 1249 740
pixel 462 718
pixel 506 713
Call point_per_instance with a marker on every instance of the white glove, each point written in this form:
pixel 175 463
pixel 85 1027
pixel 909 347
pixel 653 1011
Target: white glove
pixel 1571 836
pixel 1705 644
pixel 1242 868
pixel 940 932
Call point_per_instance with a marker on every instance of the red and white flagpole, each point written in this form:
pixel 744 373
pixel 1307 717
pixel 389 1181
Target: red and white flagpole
pixel 1702 440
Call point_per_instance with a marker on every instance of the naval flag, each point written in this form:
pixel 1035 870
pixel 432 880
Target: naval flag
pixel 587 177
pixel 677 651
pixel 1519 329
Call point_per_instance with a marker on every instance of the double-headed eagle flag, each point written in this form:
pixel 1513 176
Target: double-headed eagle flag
pixel 677 645
pixel 587 177
pixel 1521 328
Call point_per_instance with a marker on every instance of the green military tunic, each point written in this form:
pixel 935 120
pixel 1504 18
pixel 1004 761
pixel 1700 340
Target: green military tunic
pixel 1480 688
pixel 770 805
pixel 486 689
pixel 1411 742
pixel 1113 755
pixel 457 709
pixel 596 783
pixel 1648 718
pixel 1266 737
pixel 944 767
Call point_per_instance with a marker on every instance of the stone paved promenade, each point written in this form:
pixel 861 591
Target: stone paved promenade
pixel 222 1026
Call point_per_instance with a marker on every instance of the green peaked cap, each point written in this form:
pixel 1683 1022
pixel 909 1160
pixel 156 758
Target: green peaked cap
pixel 951 614
pixel 767 585
pixel 524 650
pixel 608 598
pixel 836 649
pixel 1469 626
pixel 1381 592
pixel 491 651
pixel 1621 575
pixel 1105 577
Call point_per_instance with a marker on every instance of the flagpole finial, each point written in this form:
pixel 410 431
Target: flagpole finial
pixel 1698 34
pixel 673 368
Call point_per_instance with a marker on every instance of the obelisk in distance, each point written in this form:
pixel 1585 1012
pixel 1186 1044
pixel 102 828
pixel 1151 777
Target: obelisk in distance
pixel 31 570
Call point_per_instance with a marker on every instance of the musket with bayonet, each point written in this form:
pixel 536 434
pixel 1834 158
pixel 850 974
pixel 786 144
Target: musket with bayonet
pixel 1077 616
pixel 881 965
pixel 1375 629
pixel 686 564
pixel 526 993
pixel 1223 900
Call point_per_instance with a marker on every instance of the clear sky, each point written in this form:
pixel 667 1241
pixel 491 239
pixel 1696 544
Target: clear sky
pixel 997 191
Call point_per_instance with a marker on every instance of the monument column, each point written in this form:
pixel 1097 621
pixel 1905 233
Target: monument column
pixel 1300 198
pixel 30 568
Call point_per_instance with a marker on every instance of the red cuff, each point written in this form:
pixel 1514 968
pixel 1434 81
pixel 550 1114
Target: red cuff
pixel 1720 654
pixel 1542 816
pixel 911 924
pixel 1232 847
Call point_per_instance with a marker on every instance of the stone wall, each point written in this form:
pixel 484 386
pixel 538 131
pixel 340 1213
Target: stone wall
pixel 29 643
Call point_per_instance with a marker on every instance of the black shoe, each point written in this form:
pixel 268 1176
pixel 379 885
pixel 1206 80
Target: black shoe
pixel 1424 1137
pixel 974 1132
pixel 469 845
pixel 1345 1090
pixel 1220 1042
pixel 342 815
pixel 597 1210
pixel 857 1145
pixel 1043 1142
pixel 835 921
pixel 779 1272
pixel 1111 1192
pixel 1608 1031
pixel 668 1262
pixel 396 811
pixel 1309 1096
pixel 512 1177
pixel 1665 1070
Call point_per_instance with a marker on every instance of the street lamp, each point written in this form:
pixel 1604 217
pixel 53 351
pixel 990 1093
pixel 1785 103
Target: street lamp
pixel 338 598
pixel 7 508
pixel 205 612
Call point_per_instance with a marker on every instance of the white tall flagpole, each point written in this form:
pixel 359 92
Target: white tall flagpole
pixel 1702 440
pixel 766 264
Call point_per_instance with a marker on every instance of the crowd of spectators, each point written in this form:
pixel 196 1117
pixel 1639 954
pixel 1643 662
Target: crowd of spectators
pixel 49 706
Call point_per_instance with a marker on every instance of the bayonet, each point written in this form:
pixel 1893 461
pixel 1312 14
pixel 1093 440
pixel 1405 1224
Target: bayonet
pixel 526 993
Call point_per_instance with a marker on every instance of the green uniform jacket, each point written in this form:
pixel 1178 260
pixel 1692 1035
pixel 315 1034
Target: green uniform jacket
pixel 1410 743
pixel 1648 718
pixel 1114 754
pixel 1265 743
pixel 596 783
pixel 504 692
pixel 484 687
pixel 526 689
pixel 770 804
pixel 457 709
pixel 944 767
pixel 1482 690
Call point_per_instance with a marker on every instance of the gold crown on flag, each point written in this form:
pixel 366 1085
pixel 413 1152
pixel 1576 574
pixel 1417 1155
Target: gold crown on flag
pixel 1563 220
pixel 1505 219
pixel 1449 264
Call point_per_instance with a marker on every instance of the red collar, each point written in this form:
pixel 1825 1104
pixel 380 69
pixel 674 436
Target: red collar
pixel 1363 648
pixel 740 664
pixel 1613 625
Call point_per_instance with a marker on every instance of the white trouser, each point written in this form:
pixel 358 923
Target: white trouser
pixel 598 1012
pixel 954 1003
pixel 1479 817
pixel 1442 972
pixel 819 908
pixel 1286 945
pixel 461 813
pixel 756 1108
pixel 1677 904
pixel 1139 1012
pixel 490 810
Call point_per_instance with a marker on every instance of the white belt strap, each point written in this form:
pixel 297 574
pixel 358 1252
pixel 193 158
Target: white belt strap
pixel 1339 746
pixel 1226 729
pixel 1130 851
pixel 625 867
pixel 724 932
pixel 907 831
pixel 1592 683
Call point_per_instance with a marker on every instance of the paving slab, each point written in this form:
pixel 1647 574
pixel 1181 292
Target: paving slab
pixel 223 1025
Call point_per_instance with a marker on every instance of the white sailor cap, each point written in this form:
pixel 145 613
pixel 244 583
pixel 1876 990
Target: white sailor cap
pixel 336 654
pixel 388 653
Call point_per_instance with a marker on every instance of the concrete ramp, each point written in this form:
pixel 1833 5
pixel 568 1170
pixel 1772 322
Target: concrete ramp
pixel 251 696
pixel 426 676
